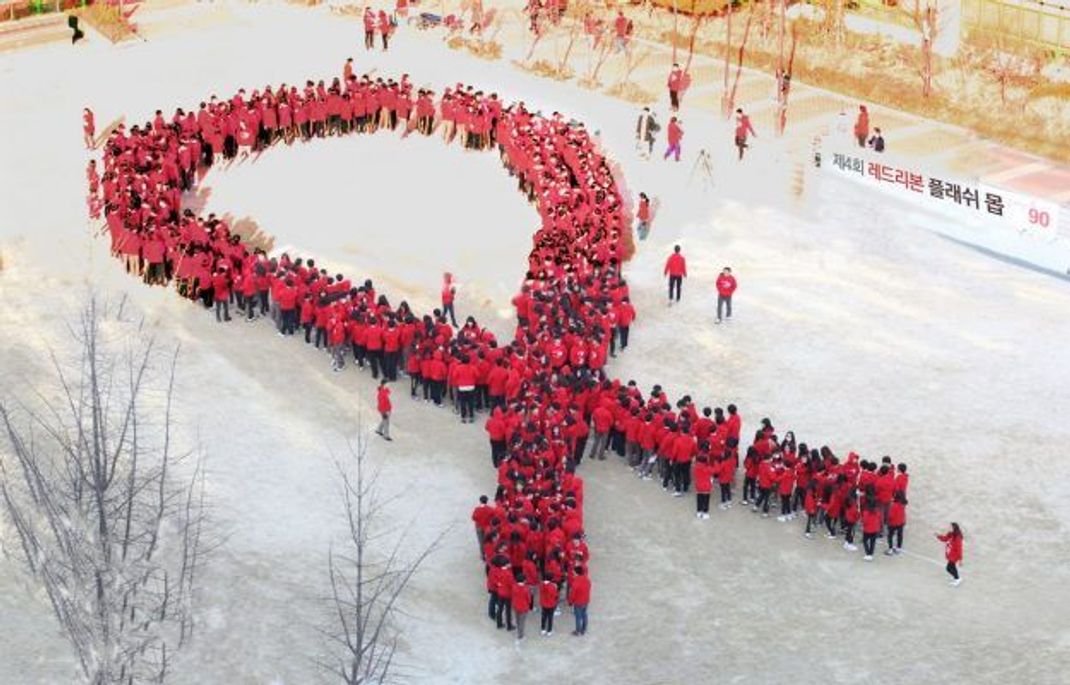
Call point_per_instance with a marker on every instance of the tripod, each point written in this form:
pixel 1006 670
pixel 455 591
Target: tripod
pixel 704 166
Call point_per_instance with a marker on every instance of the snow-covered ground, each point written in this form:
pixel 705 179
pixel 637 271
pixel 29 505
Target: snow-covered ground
pixel 855 325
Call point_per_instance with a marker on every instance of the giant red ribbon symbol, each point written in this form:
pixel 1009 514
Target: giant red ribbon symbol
pixel 573 269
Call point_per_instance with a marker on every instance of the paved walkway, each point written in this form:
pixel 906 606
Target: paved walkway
pixel 931 146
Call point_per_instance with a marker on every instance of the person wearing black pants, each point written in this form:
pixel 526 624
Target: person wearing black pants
pixel 548 594
pixel 675 284
pixel 375 358
pixel 466 399
pixel 871 528
pixel 869 543
pixel 676 270
pixel 390 365
pixel 763 500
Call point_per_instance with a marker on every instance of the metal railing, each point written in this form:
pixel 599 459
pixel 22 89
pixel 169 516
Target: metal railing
pixel 1039 22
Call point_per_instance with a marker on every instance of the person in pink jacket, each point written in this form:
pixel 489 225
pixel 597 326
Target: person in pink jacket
pixel 675 135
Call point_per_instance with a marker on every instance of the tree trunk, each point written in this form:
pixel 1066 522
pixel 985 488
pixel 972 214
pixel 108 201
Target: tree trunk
pixel 730 100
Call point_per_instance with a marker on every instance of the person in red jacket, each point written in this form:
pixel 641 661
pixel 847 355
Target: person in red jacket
pixel 726 471
pixel 643 216
pixel 481 517
pixel 603 421
pixel 579 596
pixel 743 128
pixel 384 407
pixel 952 540
pixel 369 28
pixel 548 604
pixel 449 293
pixel 676 270
pixel 505 584
pixel 521 604
pixel 897 520
pixel 871 527
pixel 703 487
pixel 810 505
pixel 463 378
pixel 625 316
pixel 675 136
pixel 726 286
pixel 386 27
pixel 675 85
pixel 221 295
pixel 89 128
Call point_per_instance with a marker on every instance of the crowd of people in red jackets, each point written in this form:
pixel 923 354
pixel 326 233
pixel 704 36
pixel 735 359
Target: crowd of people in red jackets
pixel 572 311
pixel 544 391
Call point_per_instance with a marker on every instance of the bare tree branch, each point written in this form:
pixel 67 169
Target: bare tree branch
pixel 105 525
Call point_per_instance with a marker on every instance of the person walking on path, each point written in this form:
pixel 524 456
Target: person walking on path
pixel 952 540
pixel 675 135
pixel 676 270
pixel 726 286
pixel 743 129
pixel 646 128
pixel 676 85
pixel 382 401
pixel 862 126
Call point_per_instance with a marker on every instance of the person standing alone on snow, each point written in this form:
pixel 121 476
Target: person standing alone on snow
pixel 726 285
pixel 952 540
pixel 676 86
pixel 645 129
pixel 369 29
pixel 642 216
pixel 676 270
pixel 743 129
pixel 382 402
pixel 676 134
pixel 449 292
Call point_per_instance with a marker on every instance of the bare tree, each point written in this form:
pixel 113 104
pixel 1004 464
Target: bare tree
pixel 568 34
pixel 600 51
pixel 632 59
pixel 728 100
pixel 784 83
pixel 90 483
pixel 538 30
pixel 926 22
pixel 366 581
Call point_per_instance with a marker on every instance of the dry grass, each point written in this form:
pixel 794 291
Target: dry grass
pixel 631 93
pixel 107 21
pixel 1035 116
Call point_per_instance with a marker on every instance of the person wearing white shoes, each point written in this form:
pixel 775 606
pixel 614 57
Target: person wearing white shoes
pixel 382 402
pixel 871 527
pixel 897 519
pixel 810 506
pixel 952 540
pixel 703 477
pixel 548 603
pixel 850 520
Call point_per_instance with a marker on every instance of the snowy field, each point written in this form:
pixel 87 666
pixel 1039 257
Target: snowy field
pixel 856 326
